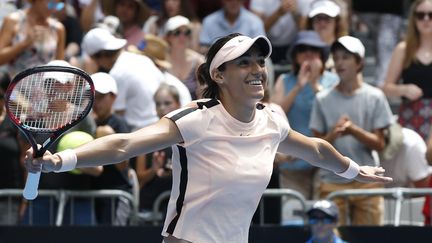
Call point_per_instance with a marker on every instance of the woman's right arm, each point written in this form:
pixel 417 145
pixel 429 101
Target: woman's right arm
pixel 113 148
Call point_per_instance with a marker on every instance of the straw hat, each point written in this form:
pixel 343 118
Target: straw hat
pixel 155 48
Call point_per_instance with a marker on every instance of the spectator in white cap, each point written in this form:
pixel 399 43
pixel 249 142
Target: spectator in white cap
pixel 113 176
pixel 184 60
pixel 223 147
pixel 136 76
pixel 325 18
pixel 156 23
pixel 356 132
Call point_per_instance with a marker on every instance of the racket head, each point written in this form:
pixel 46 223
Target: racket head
pixel 48 100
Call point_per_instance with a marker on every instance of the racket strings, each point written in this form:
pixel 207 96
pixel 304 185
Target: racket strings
pixel 50 100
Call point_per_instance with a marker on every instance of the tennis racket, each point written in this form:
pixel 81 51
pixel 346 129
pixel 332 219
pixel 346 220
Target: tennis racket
pixel 44 102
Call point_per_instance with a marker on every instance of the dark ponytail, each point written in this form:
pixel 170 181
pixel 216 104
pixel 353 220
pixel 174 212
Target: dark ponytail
pixel 211 89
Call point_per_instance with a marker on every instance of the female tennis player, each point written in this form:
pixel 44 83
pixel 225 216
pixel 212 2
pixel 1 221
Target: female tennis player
pixel 223 147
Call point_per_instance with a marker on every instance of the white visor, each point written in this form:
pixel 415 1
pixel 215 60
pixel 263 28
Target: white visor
pixel 236 47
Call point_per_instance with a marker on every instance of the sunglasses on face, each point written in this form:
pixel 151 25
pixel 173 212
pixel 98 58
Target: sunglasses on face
pixel 52 5
pixel 176 33
pixel 325 220
pixel 420 15
pixel 324 18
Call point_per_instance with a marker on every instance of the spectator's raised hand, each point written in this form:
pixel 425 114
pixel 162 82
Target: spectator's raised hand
pixel 288 6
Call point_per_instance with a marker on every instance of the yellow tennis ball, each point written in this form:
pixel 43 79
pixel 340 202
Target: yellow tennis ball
pixel 73 140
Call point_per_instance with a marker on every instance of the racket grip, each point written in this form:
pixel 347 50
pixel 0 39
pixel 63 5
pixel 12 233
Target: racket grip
pixel 31 187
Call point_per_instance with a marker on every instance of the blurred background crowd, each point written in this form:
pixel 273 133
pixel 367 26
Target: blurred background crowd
pixel 143 56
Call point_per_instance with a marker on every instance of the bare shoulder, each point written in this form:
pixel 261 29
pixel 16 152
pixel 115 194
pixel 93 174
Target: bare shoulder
pixel 11 20
pixel 400 48
pixel 57 24
pixel 13 17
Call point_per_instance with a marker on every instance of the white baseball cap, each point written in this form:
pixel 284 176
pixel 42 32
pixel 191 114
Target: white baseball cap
pixel 176 22
pixel 62 77
pixel 236 47
pixel 352 44
pixel 99 39
pixel 326 7
pixel 104 83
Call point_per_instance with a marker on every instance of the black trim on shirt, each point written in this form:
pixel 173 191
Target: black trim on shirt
pixel 182 114
pixel 208 104
pixel 182 189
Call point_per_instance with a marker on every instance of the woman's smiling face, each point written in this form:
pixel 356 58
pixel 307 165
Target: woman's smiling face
pixel 246 76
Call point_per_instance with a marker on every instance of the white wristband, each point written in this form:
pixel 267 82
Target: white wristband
pixel 352 171
pixel 69 160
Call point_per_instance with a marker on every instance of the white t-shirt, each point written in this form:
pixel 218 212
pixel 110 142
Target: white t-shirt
pixel 137 80
pixel 284 30
pixel 220 171
pixel 409 164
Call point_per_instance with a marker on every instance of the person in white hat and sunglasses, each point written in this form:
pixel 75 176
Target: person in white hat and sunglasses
pixel 223 147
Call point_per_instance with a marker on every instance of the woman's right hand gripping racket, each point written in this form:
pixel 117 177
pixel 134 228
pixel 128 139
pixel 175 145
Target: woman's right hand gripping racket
pixel 44 102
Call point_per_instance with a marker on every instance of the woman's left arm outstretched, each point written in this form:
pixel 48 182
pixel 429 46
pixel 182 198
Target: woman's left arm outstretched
pixel 319 152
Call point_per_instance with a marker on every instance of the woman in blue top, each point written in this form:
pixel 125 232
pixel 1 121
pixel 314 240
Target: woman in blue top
pixel 295 92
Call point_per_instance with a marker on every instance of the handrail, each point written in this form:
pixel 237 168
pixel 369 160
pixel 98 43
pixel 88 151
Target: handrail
pixel 398 193
pixel 279 193
pixel 63 195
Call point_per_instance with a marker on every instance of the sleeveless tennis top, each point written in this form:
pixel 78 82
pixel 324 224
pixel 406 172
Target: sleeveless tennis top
pixel 220 171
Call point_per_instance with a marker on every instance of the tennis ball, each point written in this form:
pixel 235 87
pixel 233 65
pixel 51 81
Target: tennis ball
pixel 73 140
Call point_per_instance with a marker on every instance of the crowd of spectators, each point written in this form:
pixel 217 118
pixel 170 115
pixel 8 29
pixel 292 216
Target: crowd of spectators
pixel 143 56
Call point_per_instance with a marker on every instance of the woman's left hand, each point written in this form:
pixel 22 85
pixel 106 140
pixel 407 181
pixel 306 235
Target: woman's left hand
pixel 372 174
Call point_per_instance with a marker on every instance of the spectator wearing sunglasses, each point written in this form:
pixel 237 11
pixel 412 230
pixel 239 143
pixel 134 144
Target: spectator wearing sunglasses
pixel 411 63
pixel 155 24
pixel 184 61
pixel 295 92
pixel 323 219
